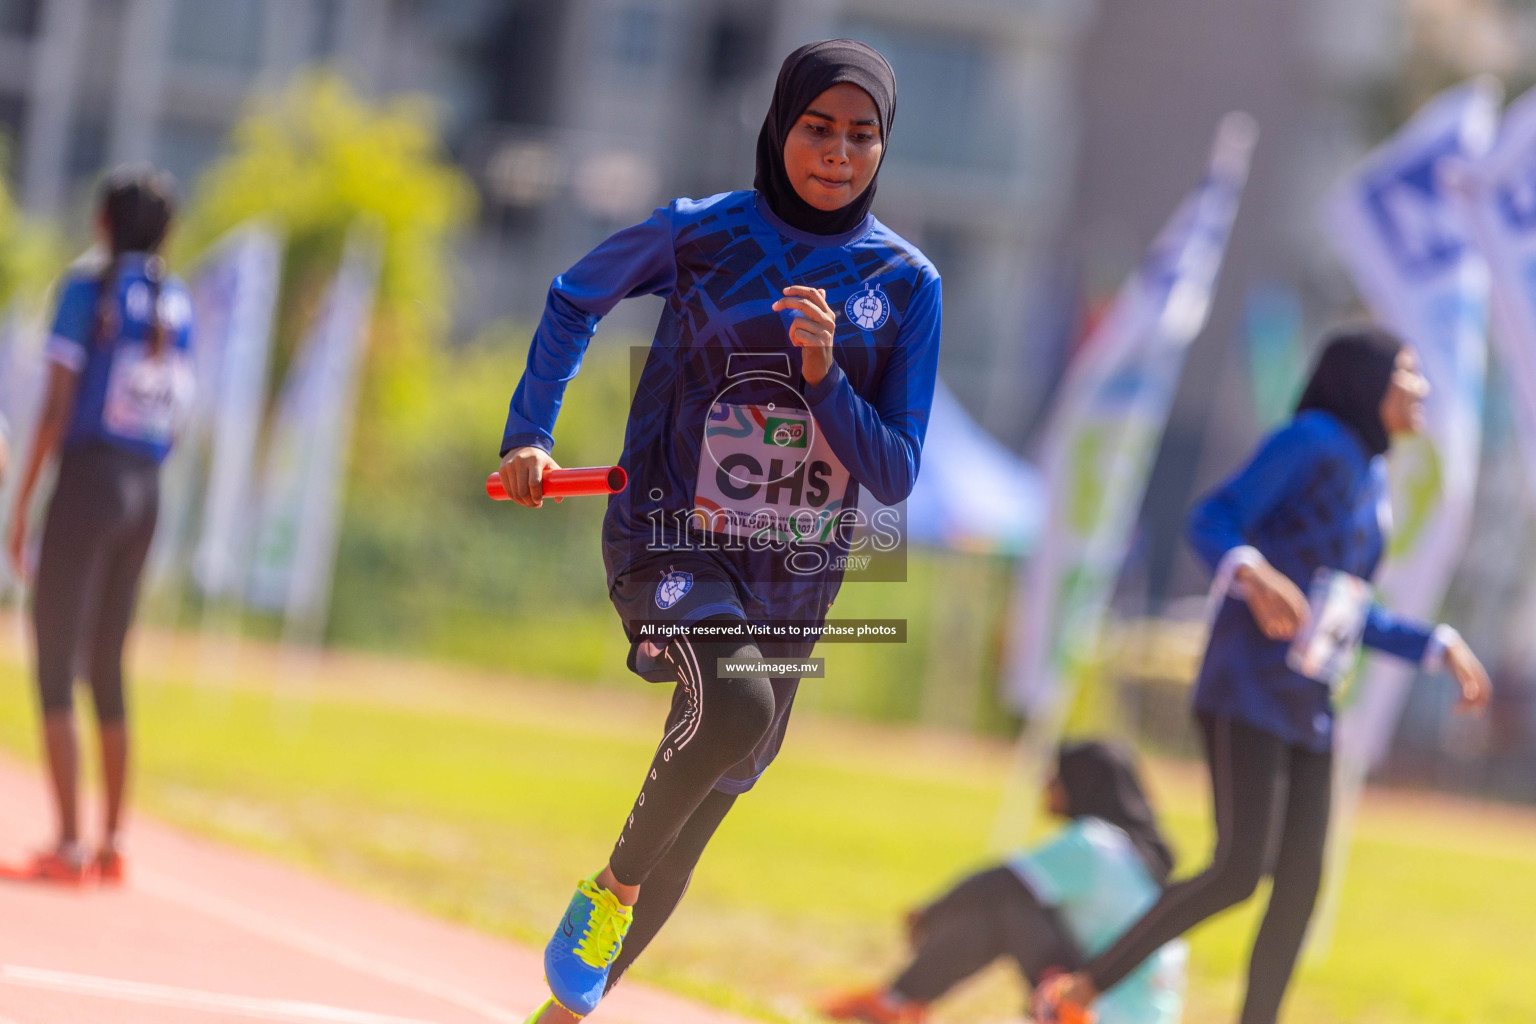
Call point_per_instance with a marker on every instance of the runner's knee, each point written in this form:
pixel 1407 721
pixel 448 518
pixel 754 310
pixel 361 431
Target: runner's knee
pixel 1237 877
pixel 107 695
pixel 56 695
pixel 738 710
pixel 735 711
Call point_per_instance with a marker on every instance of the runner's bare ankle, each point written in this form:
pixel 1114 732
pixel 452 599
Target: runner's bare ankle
pixel 627 894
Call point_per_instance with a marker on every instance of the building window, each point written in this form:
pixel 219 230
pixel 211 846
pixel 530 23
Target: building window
pixel 87 146
pixel 735 53
pixel 638 34
pixel 226 34
pixel 185 149
pixel 13 118
pixel 950 112
pixel 517 62
pixel 19 17
pixel 327 35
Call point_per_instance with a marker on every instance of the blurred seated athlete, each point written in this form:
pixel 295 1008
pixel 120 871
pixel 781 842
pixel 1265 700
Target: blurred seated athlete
pixel 1049 907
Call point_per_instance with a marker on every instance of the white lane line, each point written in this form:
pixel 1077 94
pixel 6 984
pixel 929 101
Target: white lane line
pixel 191 999
pixel 275 930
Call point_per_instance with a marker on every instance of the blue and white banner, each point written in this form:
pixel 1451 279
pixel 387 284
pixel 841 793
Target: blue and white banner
pixel 21 374
pixel 22 378
pixel 1105 431
pixel 235 296
pixel 1409 253
pixel 304 479
pixel 1398 225
pixel 1498 202
pixel 233 289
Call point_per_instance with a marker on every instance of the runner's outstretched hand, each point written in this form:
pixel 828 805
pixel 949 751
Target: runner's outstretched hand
pixel 16 545
pixel 811 330
pixel 1470 675
pixel 522 474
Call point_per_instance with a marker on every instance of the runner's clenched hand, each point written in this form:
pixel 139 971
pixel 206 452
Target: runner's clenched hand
pixel 811 330
pixel 1278 605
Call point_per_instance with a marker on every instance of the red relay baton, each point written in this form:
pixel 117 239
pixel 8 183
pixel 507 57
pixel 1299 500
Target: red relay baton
pixel 569 483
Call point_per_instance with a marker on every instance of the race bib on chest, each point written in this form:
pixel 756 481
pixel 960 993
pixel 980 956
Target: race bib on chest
pixel 765 471
pixel 1326 647
pixel 146 396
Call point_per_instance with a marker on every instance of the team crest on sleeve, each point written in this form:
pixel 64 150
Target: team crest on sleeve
pixel 672 588
pixel 869 309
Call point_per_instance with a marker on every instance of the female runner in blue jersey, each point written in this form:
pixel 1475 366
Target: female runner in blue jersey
pixel 1313 497
pixel 792 368
pixel 119 375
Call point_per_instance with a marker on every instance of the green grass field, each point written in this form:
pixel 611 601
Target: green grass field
pixel 458 793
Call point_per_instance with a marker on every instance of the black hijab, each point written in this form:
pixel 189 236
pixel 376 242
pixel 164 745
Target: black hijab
pixel 1351 379
pixel 1101 782
pixel 806 74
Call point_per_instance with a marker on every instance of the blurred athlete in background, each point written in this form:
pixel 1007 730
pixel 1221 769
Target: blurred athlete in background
pixel 120 376
pixel 1314 497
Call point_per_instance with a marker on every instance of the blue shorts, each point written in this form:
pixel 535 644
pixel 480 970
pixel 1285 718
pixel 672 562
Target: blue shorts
pixel 670 588
pixel 683 588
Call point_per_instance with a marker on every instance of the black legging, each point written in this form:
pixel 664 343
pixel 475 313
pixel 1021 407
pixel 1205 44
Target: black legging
pixel 101 520
pixel 668 881
pixel 988 915
pixel 714 723
pixel 1264 790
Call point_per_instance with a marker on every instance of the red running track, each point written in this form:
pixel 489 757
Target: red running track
pixel 205 933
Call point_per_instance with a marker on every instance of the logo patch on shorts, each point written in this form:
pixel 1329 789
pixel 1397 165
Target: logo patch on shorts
pixel 869 308
pixel 672 588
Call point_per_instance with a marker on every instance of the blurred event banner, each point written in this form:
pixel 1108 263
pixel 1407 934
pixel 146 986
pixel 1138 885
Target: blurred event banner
pixel 1395 223
pixel 1412 259
pixel 1104 433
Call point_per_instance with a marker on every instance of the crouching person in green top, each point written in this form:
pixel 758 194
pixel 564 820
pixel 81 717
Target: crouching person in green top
pixel 1051 907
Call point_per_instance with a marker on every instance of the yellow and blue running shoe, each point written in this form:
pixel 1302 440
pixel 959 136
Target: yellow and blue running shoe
pixel 589 938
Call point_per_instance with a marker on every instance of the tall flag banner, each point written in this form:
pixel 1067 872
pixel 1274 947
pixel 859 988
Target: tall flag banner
pixel 303 481
pixel 1397 225
pixel 21 390
pixel 21 374
pixel 235 297
pixel 1103 437
pixel 232 291
pixel 1398 230
pixel 1497 198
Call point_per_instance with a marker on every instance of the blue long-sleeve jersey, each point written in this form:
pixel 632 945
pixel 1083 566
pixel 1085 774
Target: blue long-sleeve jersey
pixel 727 446
pixel 1311 497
